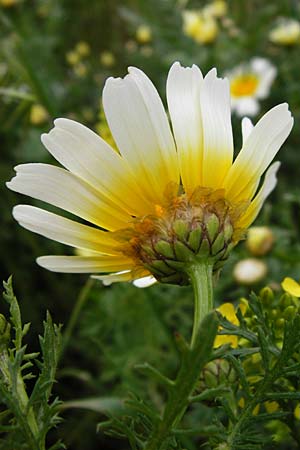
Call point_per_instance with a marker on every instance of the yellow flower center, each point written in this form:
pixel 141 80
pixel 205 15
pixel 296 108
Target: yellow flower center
pixel 244 85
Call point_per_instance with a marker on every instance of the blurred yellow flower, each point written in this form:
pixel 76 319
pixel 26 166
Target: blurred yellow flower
pixel 250 271
pixel 107 58
pixel 8 3
pixel 217 8
pixel 143 34
pixel 242 403
pixel 38 114
pixel 200 26
pixel 80 70
pixel 287 32
pixel 72 58
pixel 259 240
pixel 291 287
pixel 297 412
pixel 249 83
pixel 228 311
pixel 271 407
pixel 83 48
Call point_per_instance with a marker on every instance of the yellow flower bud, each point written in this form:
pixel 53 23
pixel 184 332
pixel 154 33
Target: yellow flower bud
pixel 73 58
pixel 250 271
pixel 107 59
pixel 271 407
pixel 38 114
pixel 83 48
pixel 143 34
pixel 259 240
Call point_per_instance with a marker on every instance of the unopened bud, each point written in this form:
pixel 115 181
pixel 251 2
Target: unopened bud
pixel 266 295
pixel 217 372
pixel 286 300
pixel 289 312
pixel 259 240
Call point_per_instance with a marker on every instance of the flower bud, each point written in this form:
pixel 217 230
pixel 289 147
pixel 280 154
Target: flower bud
pixel 250 271
pixel 259 240
pixel 266 295
pixel 143 34
pixel 217 372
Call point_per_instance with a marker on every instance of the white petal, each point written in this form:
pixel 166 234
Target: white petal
pixel 247 127
pixel 141 130
pixel 145 282
pixel 217 130
pixel 88 156
pixel 269 184
pixel 247 106
pixel 107 280
pixel 266 72
pixel 183 94
pixel 259 150
pixel 84 264
pixel 64 230
pixel 63 189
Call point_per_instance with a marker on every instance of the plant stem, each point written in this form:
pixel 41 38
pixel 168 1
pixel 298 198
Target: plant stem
pixel 81 299
pixel 193 358
pixel 201 279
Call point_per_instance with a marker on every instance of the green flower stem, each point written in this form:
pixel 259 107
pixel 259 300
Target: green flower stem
pixel 194 357
pixel 201 279
pixel 81 299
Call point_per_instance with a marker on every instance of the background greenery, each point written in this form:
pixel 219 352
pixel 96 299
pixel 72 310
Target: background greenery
pixel 40 64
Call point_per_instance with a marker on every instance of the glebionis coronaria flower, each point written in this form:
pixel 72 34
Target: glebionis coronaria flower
pixel 165 200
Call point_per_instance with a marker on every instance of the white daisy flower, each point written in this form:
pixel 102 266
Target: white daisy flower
pixel 250 83
pixel 167 198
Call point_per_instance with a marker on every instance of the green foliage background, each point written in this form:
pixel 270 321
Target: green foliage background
pixel 121 326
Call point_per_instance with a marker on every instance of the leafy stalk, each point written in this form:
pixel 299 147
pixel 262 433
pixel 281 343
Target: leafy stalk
pixel 194 357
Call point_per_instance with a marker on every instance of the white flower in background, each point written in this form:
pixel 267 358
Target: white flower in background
pixel 163 198
pixel 249 83
pixel 287 32
pixel 250 271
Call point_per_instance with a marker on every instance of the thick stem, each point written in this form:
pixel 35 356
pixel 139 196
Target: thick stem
pixel 201 280
pixel 193 359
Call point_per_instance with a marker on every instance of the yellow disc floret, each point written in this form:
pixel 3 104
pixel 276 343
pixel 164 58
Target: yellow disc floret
pixel 244 85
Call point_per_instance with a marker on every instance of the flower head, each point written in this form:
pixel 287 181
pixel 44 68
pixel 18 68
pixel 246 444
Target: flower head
pixel 200 26
pixel 287 32
pixel 163 201
pixel 250 83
